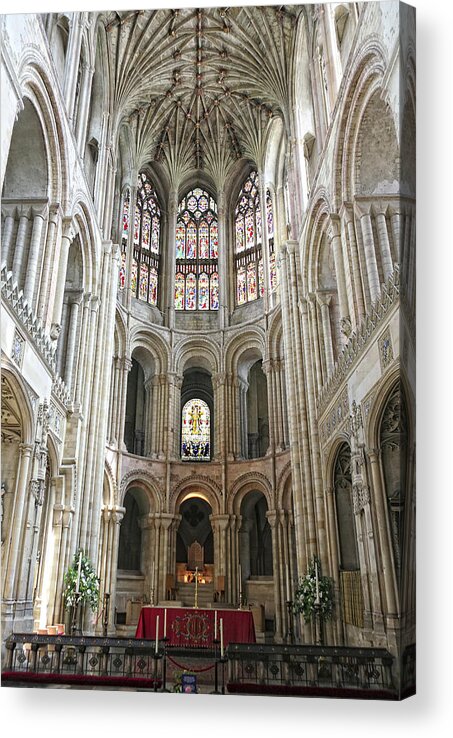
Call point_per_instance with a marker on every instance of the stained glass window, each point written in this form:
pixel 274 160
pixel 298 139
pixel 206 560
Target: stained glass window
pixel 146 243
pixel 197 252
pixel 248 246
pixel 249 224
pixel 196 431
pixel 124 238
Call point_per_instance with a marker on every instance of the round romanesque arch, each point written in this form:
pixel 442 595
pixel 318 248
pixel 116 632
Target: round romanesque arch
pixel 249 482
pixel 196 485
pixel 142 479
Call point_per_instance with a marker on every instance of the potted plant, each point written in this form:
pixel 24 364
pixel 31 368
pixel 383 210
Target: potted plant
pixel 81 587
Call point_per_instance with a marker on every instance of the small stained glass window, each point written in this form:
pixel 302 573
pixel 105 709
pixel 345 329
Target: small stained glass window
pixel 196 431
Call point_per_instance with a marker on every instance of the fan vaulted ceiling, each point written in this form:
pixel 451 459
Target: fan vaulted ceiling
pixel 198 87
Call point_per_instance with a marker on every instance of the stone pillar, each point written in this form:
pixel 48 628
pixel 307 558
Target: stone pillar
pixel 7 237
pixel 335 241
pixel 395 224
pixel 171 256
pixel 308 311
pixel 271 515
pixel 380 210
pixel 264 241
pixel 223 269
pixel 66 239
pixel 124 369
pixel 12 574
pixel 370 253
pixel 383 532
pixel 324 299
pixel 21 237
pixel 242 416
pixel 34 253
pixel 130 245
pixel 84 106
pixel 76 25
pixel 49 248
pixel 74 302
pixel 348 216
pixel 81 364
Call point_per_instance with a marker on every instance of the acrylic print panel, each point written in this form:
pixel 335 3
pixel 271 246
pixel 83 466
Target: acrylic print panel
pixel 271 153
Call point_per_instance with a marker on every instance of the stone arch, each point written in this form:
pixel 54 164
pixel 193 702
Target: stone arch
pixel 142 479
pixel 250 482
pixel 282 485
pixel 373 421
pixel 197 483
pixel 110 487
pixel 331 453
pixel 84 226
pixel 251 339
pixel 141 337
pixel 318 223
pixel 121 335
pixel 21 397
pixel 200 352
pixel 364 78
pixel 35 81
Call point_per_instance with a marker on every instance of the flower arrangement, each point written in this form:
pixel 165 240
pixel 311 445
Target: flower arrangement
pixel 81 585
pixel 314 593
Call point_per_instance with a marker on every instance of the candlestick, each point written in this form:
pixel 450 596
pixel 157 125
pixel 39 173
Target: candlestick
pixel 221 638
pixel 79 573
pixel 317 583
pixel 196 587
pixel 215 625
pixel 165 623
pixel 157 633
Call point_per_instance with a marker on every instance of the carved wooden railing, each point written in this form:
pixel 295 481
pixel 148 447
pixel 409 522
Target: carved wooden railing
pixel 81 660
pixel 311 670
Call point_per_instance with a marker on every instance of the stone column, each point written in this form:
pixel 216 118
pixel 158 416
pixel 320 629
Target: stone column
pixel 49 249
pixel 77 23
pixel 335 242
pixel 66 239
pixel 12 574
pixel 380 210
pixel 348 216
pixel 75 300
pixel 383 532
pixel 223 270
pixel 34 252
pixel 264 240
pixel 395 224
pixel 84 106
pixel 83 347
pixel 130 245
pixel 117 516
pixel 171 256
pixel 370 253
pixel 242 415
pixel 125 367
pixel 268 369
pixel 7 237
pixel 21 237
pixel 271 515
pixel 308 311
pixel 324 299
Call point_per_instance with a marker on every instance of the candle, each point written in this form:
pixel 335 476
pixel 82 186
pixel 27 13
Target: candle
pixel 317 583
pixel 215 625
pixel 288 590
pixel 78 574
pixel 221 637
pixel 165 623
pixel 157 633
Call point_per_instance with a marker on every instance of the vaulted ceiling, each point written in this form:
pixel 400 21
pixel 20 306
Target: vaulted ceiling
pixel 199 87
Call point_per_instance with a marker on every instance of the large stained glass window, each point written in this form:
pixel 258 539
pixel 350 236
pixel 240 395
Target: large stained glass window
pixel 124 236
pixel 197 252
pixel 249 266
pixel 146 242
pixel 196 431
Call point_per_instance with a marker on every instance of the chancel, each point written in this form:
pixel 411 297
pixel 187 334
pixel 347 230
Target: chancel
pixel 208 348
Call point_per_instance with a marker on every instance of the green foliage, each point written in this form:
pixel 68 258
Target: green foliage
pixel 88 593
pixel 305 594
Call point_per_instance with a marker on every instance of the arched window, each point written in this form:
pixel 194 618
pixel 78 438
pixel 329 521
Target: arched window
pixel 196 431
pixel 197 253
pixel 146 242
pixel 125 220
pixel 248 243
pixel 349 560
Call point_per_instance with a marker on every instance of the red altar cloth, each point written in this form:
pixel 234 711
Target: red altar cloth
pixel 188 627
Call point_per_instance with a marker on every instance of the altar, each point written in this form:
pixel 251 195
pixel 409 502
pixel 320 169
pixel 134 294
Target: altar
pixel 189 627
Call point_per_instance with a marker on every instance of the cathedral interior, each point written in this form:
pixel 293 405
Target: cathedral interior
pixel 208 295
